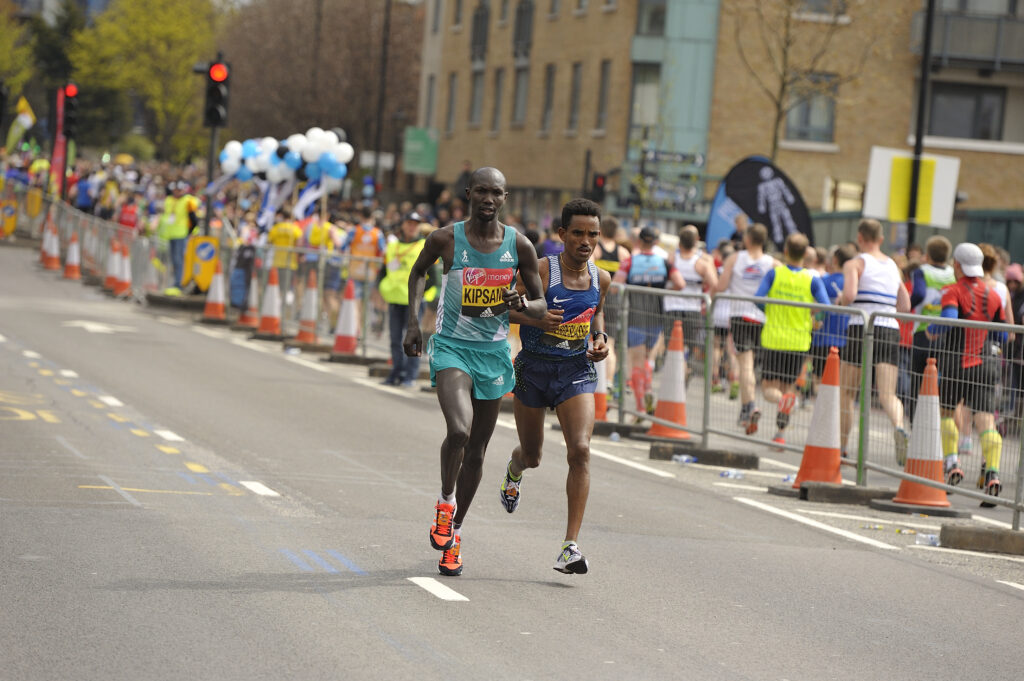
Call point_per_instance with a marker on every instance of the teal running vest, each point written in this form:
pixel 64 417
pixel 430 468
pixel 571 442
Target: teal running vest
pixel 471 306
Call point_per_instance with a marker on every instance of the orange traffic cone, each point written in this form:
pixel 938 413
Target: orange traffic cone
pixel 213 312
pixel 307 317
pixel 250 318
pixel 345 333
pixel 924 455
pixel 821 450
pixel 601 393
pixel 113 266
pixel 270 314
pixel 73 264
pixel 672 389
pixel 123 285
pixel 51 260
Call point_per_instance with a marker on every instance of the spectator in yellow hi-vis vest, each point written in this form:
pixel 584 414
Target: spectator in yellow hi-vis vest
pixel 283 237
pixel 175 224
pixel 786 336
pixel 399 256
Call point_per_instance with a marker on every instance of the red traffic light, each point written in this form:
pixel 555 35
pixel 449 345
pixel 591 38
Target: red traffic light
pixel 70 90
pixel 218 72
pixel 599 180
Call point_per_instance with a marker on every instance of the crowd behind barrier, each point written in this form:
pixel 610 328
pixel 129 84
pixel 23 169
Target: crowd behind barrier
pixel 642 317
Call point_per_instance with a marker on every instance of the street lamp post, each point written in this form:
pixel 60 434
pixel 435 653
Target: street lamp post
pixel 383 90
pixel 922 102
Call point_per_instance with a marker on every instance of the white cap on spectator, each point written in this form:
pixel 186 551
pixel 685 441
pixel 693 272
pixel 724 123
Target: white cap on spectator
pixel 969 256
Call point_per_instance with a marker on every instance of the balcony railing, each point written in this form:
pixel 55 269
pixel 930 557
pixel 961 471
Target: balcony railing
pixel 994 43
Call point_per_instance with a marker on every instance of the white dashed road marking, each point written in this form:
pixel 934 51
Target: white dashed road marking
pixel 853 536
pixel 170 436
pixel 258 488
pixel 437 588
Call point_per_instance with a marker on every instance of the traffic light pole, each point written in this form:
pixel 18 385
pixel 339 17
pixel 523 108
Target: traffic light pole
pixel 210 159
pixel 922 102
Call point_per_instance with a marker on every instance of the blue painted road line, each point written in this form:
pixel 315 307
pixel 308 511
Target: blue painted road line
pixel 186 477
pixel 299 563
pixel 320 561
pixel 206 478
pixel 352 567
pixel 227 478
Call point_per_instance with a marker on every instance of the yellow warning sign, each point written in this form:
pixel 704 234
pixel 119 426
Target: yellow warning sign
pixel 899 190
pixel 8 216
pixel 34 202
pixel 201 254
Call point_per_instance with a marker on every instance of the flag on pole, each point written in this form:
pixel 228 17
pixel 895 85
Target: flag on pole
pixel 23 121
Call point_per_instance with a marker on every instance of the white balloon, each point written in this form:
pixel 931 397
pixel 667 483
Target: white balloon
pixel 287 172
pixel 268 144
pixel 311 154
pixel 253 163
pixel 314 133
pixel 332 139
pixel 233 149
pixel 344 152
pixel 231 165
pixel 296 142
pixel 333 184
pixel 275 173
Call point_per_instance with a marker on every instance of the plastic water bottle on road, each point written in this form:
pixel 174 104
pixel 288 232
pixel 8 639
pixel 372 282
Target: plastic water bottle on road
pixel 928 539
pixel 684 458
pixel 731 473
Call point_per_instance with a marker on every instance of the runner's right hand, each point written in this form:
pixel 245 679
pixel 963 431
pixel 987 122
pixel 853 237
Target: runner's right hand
pixel 551 320
pixel 413 343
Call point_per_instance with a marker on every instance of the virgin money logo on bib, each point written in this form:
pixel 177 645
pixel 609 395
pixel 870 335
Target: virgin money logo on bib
pixel 483 291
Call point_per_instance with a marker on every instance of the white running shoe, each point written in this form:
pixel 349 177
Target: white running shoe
pixel 510 491
pixel 571 561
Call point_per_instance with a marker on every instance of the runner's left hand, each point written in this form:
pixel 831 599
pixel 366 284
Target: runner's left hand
pixel 598 350
pixel 513 299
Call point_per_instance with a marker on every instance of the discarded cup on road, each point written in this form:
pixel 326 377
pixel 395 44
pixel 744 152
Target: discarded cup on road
pixel 731 473
pixel 684 458
pixel 615 437
pixel 904 530
pixel 928 539
pixel 789 478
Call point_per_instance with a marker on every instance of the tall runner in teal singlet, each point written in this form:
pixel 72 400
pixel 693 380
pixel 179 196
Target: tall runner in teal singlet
pixel 555 369
pixel 469 354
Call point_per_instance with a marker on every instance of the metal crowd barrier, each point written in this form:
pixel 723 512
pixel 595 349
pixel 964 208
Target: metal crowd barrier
pixel 870 442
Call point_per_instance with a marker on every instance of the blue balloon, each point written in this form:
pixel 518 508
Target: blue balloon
pixel 328 160
pixel 223 156
pixel 337 171
pixel 313 170
pixel 274 159
pixel 243 174
pixel 250 148
pixel 293 160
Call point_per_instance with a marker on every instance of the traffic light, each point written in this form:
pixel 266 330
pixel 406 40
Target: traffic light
pixel 597 188
pixel 218 78
pixel 70 110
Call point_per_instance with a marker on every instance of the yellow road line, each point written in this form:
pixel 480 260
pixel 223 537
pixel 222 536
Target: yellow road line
pixel 231 489
pixel 151 491
pixel 34 365
pixel 61 381
pixel 196 467
pixel 118 418
pixel 48 416
pixel 140 432
pixel 78 393
pixel 46 372
pixel 97 404
pixel 167 449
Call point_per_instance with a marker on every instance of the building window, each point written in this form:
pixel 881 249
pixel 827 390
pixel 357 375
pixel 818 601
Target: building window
pixel 966 111
pixel 581 5
pixel 651 18
pixel 987 7
pixel 554 7
pixel 646 87
pixel 602 94
pixel 522 33
pixel 449 119
pixel 499 92
pixel 812 116
pixel 549 97
pixel 476 97
pixel 457 15
pixel 428 113
pixel 478 37
pixel 503 11
pixel 574 96
pixel 435 20
pixel 829 7
pixel 610 4
pixel 519 95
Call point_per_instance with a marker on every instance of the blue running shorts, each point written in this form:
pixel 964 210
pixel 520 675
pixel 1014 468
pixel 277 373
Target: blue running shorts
pixel 546 383
pixel 488 363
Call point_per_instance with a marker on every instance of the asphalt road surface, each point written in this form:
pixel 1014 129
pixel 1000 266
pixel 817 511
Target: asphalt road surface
pixel 177 501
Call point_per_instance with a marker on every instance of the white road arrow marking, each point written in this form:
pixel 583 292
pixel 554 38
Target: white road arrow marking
pixel 98 327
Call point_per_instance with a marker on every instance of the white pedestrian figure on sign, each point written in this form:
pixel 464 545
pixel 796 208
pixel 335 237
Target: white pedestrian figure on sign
pixel 774 197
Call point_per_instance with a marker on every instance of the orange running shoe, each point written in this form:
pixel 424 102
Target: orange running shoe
pixel 442 534
pixel 451 562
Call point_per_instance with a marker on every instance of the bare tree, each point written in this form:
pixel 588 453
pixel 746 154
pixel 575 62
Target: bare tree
pixel 795 49
pixel 290 73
